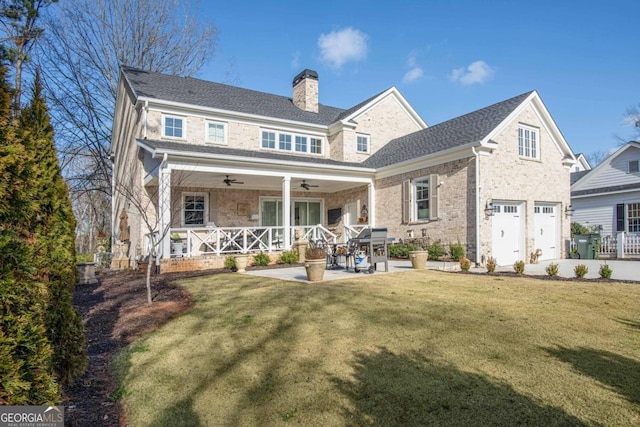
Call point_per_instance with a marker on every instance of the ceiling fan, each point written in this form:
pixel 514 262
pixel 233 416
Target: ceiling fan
pixel 306 185
pixel 230 181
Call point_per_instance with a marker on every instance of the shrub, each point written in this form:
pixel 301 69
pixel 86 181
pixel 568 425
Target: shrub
pixel 605 271
pixel 465 264
pixel 435 250
pixel 401 250
pixel 230 262
pixel 581 270
pixel 518 267
pixel 456 250
pixel 288 257
pixel 491 265
pixel 552 269
pixel 577 228
pixel 261 259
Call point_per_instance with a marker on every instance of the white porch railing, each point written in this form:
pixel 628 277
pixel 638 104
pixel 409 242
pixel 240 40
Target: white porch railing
pixel 351 231
pixel 230 240
pixel 608 246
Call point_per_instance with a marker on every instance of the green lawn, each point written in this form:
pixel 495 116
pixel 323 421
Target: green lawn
pixel 407 349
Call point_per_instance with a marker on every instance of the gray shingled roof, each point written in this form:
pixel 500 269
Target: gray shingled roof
pixel 576 176
pixel 188 90
pixel 466 129
pixel 604 190
pixel 225 151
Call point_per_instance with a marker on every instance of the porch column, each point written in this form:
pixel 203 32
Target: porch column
pixel 286 210
pixel 164 212
pixel 372 204
pixel 620 244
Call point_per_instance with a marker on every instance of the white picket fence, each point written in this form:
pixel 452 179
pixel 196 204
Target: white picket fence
pixel 622 245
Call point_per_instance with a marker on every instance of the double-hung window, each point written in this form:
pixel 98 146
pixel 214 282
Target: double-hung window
pixel 301 144
pixel 528 142
pixel 420 199
pixel 634 166
pixel 268 139
pixel 284 142
pixel 173 127
pixel 216 132
pixel 362 144
pixel 633 217
pixel 194 211
pixel 316 146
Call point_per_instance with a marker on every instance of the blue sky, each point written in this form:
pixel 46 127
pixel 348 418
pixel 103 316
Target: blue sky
pixel 446 57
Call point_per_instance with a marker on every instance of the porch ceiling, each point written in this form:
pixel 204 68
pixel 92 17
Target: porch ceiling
pixel 259 182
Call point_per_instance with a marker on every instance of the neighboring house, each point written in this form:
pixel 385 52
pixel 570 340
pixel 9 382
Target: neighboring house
pixel 234 170
pixel 607 197
pixel 582 164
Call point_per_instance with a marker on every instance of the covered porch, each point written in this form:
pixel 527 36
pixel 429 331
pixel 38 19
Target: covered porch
pixel 243 205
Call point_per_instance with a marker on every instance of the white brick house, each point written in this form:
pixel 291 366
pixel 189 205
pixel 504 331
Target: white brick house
pixel 238 170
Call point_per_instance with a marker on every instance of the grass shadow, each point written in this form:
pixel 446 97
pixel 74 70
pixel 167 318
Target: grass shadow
pixel 410 390
pixel 633 324
pixel 617 372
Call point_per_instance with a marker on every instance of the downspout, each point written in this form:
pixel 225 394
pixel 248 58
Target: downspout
pixel 477 171
pixel 145 109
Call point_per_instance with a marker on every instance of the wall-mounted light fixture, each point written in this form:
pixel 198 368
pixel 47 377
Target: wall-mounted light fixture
pixel 488 208
pixel 568 211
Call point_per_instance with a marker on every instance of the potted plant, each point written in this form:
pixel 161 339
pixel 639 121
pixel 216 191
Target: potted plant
pixel 176 245
pixel 419 257
pixel 315 263
pixel 241 262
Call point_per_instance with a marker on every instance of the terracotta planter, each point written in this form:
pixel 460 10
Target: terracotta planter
pixel 241 262
pixel 419 259
pixel 315 269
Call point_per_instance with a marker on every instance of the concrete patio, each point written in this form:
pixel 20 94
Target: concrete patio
pixel 622 270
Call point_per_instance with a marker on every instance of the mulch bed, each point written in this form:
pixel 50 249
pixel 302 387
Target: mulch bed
pixel 115 312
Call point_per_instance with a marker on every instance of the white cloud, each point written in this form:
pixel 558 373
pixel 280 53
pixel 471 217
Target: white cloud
pixel 295 62
pixel 339 47
pixel 476 72
pixel 412 75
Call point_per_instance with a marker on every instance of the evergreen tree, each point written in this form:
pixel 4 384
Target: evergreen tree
pixel 26 374
pixel 53 239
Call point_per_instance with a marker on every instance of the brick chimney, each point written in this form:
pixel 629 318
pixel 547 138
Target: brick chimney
pixel 305 91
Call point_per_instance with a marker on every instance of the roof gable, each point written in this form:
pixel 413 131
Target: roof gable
pixel 604 175
pixel 469 129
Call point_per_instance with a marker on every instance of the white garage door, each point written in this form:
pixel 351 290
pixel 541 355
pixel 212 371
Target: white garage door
pixel 546 230
pixel 507 228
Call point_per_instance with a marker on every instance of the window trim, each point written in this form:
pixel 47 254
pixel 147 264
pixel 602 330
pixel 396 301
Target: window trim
pixel 414 185
pixel 205 217
pixel 410 201
pixel 174 116
pixel 224 130
pixel 628 218
pixel 367 138
pixel 536 147
pixel 637 166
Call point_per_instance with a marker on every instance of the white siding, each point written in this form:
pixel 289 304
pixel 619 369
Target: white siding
pixel 601 210
pixel 613 173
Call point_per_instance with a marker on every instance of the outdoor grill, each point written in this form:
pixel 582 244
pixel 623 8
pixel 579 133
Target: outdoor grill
pixel 370 244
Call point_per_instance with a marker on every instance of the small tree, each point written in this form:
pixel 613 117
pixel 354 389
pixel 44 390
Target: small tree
pixel 52 237
pixel 128 189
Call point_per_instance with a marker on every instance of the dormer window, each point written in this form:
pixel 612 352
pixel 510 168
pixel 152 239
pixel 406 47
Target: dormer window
pixel 634 166
pixel 362 144
pixel 173 127
pixel 528 142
